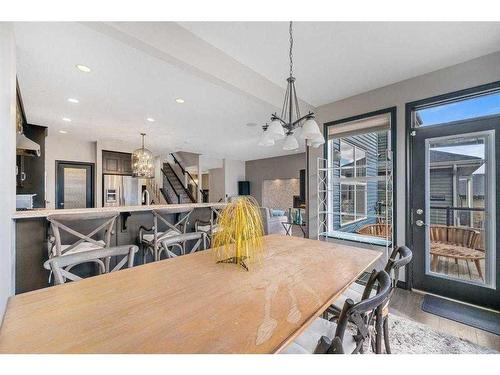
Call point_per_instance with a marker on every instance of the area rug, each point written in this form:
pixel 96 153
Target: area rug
pixel 410 337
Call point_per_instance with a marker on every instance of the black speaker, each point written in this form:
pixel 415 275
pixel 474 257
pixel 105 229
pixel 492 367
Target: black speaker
pixel 243 187
pixel 302 184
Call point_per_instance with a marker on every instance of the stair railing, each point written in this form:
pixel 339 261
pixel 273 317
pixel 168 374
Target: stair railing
pixel 189 194
pixel 191 179
pixel 177 195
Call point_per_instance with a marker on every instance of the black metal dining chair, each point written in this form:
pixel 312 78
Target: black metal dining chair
pixel 353 328
pixel 400 257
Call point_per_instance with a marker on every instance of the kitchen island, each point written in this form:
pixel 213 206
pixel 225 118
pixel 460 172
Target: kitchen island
pixel 32 229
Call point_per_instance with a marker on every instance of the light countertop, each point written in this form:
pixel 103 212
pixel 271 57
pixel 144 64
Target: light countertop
pixel 38 213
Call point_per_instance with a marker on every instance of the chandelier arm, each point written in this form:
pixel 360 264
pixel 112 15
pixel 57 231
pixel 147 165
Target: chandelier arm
pixel 295 123
pixel 284 109
pixel 297 109
pixel 274 117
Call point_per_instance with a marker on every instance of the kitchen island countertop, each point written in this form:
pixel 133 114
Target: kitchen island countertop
pixel 46 212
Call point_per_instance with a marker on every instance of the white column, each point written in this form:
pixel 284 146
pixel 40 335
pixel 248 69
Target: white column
pixel 8 161
pixel 200 180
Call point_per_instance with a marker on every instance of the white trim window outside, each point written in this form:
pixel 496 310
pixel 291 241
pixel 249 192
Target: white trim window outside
pixel 353 193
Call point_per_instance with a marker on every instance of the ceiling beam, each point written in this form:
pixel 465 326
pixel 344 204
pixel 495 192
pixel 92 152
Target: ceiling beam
pixel 170 42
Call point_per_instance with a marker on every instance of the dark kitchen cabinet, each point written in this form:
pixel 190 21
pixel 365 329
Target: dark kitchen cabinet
pixel 116 163
pixel 30 177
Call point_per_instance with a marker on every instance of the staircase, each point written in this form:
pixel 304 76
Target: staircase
pixel 157 196
pixel 173 188
pixel 191 181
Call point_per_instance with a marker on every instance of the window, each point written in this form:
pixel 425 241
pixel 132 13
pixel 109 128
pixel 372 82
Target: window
pixel 355 185
pixel 482 105
pixel 352 193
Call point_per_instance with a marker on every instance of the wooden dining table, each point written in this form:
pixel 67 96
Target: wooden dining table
pixel 188 304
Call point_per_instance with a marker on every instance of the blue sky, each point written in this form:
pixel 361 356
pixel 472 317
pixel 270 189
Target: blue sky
pixel 481 106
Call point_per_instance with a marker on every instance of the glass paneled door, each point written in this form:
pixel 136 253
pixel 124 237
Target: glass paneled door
pixel 454 210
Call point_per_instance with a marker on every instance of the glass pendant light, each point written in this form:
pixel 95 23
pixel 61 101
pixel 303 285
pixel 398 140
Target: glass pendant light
pixel 310 130
pixel 266 140
pixel 275 130
pixel 291 143
pixel 316 142
pixel 143 162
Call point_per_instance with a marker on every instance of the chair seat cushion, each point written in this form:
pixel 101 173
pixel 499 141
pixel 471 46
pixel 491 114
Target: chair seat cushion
pixel 149 237
pixel 306 343
pixel 84 246
pixel 354 292
pixel 206 228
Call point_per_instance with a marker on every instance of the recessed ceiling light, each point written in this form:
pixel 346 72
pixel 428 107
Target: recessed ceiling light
pixel 179 100
pixel 83 68
pixel 150 119
pixel 66 119
pixel 73 100
pixel 63 131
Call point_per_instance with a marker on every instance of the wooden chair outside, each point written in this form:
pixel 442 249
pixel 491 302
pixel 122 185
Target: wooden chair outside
pixel 151 239
pixel 376 230
pixel 61 265
pixel 458 243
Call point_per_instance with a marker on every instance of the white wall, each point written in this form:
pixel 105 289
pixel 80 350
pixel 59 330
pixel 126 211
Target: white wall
pixel 234 171
pixel 8 164
pixel 216 184
pixel 476 72
pixel 64 147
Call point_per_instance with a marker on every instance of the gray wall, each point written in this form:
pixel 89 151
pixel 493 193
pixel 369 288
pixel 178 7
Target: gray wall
pixel 8 158
pixel 280 167
pixel 476 72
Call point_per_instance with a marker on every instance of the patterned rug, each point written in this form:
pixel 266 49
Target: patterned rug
pixel 410 337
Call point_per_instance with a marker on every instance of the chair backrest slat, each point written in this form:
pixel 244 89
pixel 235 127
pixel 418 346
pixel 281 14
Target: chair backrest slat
pixel 104 222
pixel 61 265
pixel 362 313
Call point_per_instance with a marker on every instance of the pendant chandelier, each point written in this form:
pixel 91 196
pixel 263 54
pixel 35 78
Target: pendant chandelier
pixel 143 162
pixel 285 125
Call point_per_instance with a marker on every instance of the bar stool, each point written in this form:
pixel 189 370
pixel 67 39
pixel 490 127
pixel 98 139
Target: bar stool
pixel 61 265
pixel 151 239
pixel 210 226
pixel 179 242
pixel 67 238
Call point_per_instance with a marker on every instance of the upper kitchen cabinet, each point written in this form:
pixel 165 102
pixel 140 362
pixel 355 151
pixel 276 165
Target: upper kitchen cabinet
pixel 30 156
pixel 116 163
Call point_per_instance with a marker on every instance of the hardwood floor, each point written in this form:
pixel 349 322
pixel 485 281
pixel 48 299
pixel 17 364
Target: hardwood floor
pixel 407 304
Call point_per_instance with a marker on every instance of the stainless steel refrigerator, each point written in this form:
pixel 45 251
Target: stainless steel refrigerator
pixel 120 191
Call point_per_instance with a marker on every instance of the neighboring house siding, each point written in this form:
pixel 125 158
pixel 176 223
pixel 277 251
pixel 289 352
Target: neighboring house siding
pixel 368 142
pixel 441 186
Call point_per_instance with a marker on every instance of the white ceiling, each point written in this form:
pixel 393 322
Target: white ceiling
pixel 336 60
pixel 229 74
pixel 124 88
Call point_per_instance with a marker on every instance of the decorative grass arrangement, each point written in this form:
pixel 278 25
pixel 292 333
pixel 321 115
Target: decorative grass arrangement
pixel 239 239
